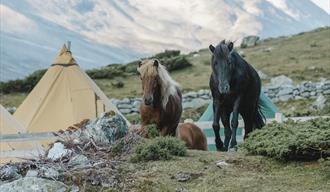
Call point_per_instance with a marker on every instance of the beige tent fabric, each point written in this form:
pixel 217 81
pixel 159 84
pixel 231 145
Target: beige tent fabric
pixel 10 126
pixel 65 95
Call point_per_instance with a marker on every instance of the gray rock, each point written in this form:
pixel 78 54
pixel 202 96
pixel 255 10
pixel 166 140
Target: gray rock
pixel 136 103
pixel 280 81
pixel 58 151
pixel 262 75
pixel 183 177
pixel 125 100
pixel 319 103
pixel 33 184
pixel 9 173
pixel 50 173
pixel 286 90
pixel 79 161
pixel 106 129
pixel 125 111
pixel 32 173
pixel 124 106
pixel 190 94
pixel 249 41
pixel 195 103
pixel 285 97
pixel 11 110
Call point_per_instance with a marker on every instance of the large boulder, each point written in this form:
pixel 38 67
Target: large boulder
pixel 319 103
pixel 32 184
pixel 249 41
pixel 281 81
pixel 106 129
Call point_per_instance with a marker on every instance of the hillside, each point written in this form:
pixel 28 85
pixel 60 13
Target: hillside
pixel 305 56
pixel 113 31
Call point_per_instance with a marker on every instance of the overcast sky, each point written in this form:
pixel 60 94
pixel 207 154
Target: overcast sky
pixel 324 4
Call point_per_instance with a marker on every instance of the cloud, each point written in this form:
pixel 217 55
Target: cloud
pixel 15 22
pixel 323 4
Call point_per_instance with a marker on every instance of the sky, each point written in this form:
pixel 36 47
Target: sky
pixel 324 4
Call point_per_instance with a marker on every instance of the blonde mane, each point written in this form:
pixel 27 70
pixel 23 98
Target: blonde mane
pixel 168 85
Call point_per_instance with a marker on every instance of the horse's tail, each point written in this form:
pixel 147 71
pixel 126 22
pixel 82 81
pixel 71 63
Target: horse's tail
pixel 260 118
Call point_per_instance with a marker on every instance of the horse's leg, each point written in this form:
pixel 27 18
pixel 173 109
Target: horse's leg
pixel 225 117
pixel 234 122
pixel 216 125
pixel 248 123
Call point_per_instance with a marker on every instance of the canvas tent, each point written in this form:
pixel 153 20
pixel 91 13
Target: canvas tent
pixel 267 107
pixel 18 148
pixel 65 95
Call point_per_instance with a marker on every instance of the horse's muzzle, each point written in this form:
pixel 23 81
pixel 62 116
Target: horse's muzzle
pixel 148 100
pixel 223 89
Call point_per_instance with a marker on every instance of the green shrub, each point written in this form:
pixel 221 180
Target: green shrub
pixel 159 148
pixel 309 140
pixel 175 63
pixel 152 130
pixel 22 85
pixel 167 54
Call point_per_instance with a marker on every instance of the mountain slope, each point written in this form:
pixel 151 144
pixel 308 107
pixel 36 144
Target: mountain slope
pixel 105 32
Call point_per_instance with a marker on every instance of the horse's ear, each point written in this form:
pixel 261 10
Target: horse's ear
pixel 139 63
pixel 212 48
pixel 156 63
pixel 230 46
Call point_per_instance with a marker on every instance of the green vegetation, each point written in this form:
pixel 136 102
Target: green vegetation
pixel 292 141
pixel 301 57
pixel 244 173
pixel 159 148
pixel 152 130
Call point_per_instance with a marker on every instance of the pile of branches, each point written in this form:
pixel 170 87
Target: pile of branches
pixel 309 140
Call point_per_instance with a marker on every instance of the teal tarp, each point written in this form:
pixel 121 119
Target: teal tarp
pixel 267 108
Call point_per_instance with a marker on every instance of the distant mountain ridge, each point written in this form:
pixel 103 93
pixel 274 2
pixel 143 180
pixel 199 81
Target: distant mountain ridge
pixel 104 32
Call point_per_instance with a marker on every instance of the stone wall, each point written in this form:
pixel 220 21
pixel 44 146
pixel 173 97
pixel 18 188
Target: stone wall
pixel 280 88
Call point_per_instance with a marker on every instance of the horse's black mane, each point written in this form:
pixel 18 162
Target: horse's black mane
pixel 221 50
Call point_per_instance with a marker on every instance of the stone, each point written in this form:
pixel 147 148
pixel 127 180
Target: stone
pixel 183 177
pixel 124 106
pixel 136 103
pixel 268 49
pixel 125 100
pixel 319 103
pixel 118 83
pixel 285 97
pixel 50 172
pixel 106 129
pixel 222 163
pixel 32 184
pixel 262 75
pixel 286 90
pixel 249 41
pixel 9 173
pixel 32 173
pixel 58 151
pixel 195 103
pixel 280 81
pixel 11 110
pixel 79 161
pixel 190 94
pixel 125 111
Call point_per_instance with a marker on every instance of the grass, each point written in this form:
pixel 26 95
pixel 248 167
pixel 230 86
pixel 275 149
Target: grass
pixel 245 173
pixel 301 57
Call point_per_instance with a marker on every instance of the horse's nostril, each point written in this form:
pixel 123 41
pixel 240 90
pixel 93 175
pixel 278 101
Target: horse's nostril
pixel 147 101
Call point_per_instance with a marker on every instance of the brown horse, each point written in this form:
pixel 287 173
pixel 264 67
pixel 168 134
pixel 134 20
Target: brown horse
pixel 192 135
pixel 161 98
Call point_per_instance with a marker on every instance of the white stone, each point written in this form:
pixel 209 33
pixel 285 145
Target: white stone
pixel 58 151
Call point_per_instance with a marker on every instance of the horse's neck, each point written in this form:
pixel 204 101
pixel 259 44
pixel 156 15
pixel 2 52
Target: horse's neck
pixel 157 97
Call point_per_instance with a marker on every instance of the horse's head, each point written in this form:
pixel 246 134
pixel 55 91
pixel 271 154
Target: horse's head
pixel 148 70
pixel 222 66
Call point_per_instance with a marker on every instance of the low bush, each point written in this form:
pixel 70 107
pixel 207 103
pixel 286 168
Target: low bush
pixel 159 148
pixel 22 85
pixel 308 140
pixel 152 130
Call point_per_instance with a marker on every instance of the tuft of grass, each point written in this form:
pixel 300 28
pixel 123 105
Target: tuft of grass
pixel 152 130
pixel 159 148
pixel 308 140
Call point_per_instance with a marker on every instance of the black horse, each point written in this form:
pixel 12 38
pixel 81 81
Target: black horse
pixel 235 88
